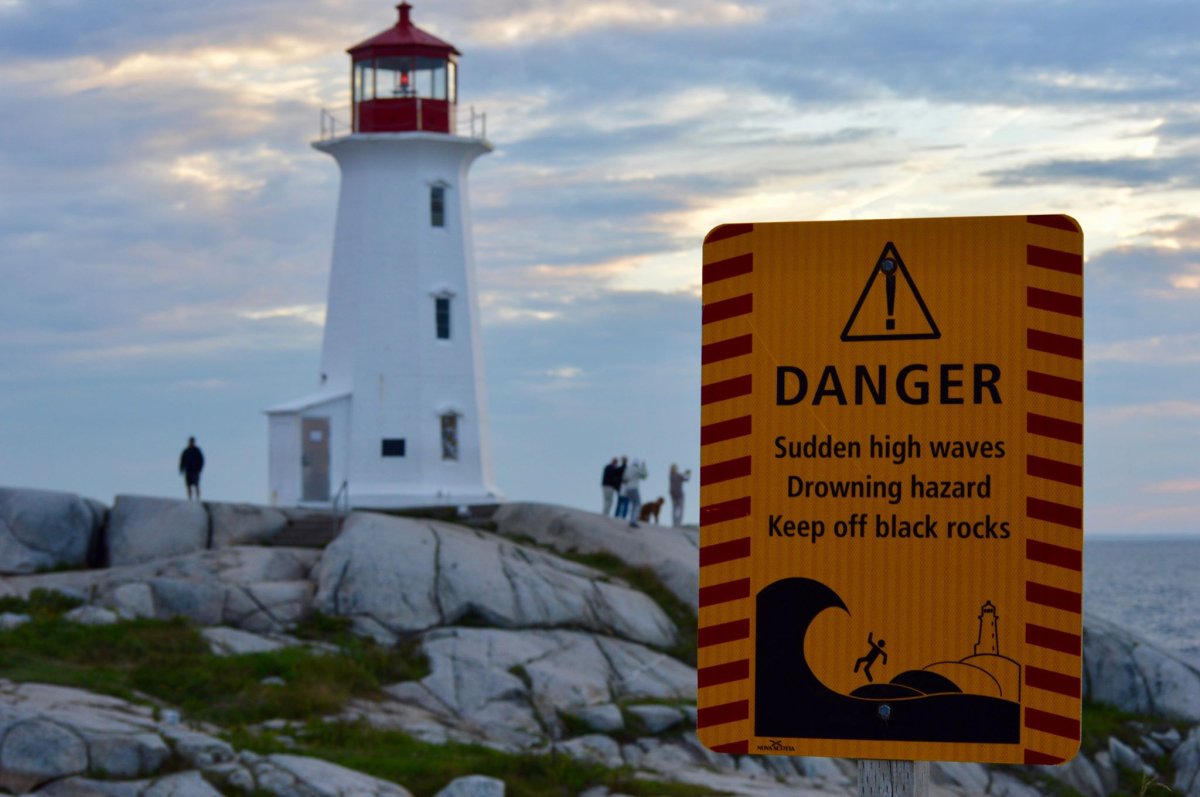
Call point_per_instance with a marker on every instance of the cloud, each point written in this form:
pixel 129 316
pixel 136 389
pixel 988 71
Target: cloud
pixel 1159 410
pixel 1164 350
pixel 1125 172
pixel 1175 486
pixel 564 372
pixel 308 313
pixel 1111 517
pixel 536 23
pixel 556 419
pixel 189 385
pixel 206 171
pixel 1141 298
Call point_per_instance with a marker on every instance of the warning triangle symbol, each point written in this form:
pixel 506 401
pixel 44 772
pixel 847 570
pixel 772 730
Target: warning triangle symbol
pixel 890 307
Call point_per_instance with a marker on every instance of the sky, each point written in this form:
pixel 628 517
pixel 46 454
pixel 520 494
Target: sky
pixel 165 227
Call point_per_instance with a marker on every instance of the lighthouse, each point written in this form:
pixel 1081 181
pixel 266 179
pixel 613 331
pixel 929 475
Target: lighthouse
pixel 399 415
pixel 988 641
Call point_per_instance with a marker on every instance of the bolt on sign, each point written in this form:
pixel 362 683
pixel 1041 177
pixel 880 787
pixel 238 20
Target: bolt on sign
pixel 891 489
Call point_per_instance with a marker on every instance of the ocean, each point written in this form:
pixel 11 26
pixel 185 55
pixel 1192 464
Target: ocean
pixel 1151 586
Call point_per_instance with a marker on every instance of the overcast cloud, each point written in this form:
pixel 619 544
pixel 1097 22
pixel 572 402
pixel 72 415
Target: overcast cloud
pixel 165 228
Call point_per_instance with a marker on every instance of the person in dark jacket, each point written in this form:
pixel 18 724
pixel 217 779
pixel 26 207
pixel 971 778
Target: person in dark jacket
pixel 610 482
pixel 191 462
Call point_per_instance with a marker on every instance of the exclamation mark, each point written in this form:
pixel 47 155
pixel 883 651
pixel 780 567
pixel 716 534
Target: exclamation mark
pixel 889 270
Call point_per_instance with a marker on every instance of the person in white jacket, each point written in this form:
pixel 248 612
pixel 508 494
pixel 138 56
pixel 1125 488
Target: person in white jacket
pixel 634 474
pixel 678 477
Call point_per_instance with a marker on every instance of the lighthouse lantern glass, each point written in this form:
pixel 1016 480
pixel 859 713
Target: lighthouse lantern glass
pixel 404 76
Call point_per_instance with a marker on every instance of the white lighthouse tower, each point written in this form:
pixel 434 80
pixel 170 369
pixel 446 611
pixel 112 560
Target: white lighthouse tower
pixel 399 418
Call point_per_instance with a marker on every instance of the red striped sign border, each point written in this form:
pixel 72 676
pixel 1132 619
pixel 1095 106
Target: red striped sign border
pixel 1061 522
pixel 730 594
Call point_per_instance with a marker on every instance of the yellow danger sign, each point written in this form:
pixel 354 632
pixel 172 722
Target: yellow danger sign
pixel 891 489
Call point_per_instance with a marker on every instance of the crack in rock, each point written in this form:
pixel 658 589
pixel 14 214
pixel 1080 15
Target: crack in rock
pixel 437 575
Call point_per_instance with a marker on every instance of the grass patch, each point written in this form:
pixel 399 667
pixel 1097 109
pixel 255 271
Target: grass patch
pixel 1151 785
pixel 1100 721
pixel 574 726
pixel 522 674
pixel 644 580
pixel 1046 784
pixel 170 661
pixel 403 661
pixel 424 769
pixel 41 604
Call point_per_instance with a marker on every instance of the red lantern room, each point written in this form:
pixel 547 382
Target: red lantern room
pixel 404 79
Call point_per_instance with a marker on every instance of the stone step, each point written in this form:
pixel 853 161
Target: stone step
pixel 312 530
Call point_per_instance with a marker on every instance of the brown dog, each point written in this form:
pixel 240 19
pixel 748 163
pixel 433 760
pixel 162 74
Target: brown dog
pixel 651 510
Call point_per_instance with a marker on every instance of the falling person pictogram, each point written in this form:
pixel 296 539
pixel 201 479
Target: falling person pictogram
pixel 876 651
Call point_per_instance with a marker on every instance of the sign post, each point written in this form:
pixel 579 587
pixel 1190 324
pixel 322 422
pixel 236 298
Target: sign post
pixel 893 778
pixel 891 490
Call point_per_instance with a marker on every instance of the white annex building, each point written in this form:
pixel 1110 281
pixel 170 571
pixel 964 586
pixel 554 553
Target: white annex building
pixel 399 418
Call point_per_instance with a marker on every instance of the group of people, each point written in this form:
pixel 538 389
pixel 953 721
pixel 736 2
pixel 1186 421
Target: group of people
pixel 622 480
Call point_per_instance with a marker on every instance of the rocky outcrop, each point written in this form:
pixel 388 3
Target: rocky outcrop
pixel 65 742
pixel 244 524
pixel 184 784
pixel 141 529
pixel 44 530
pixel 255 589
pixel 573 661
pixel 396 576
pixel 1186 761
pixel 672 554
pixel 299 776
pixel 473 786
pixel 511 687
pixel 48 733
pixel 47 530
pixel 1126 671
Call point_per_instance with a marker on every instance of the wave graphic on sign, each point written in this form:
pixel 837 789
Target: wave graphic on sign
pixel 950 701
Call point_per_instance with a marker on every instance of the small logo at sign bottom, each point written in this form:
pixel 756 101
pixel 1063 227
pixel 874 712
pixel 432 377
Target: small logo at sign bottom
pixel 776 746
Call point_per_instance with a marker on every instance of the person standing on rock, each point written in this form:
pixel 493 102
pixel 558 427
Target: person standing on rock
pixel 619 478
pixel 678 477
pixel 610 483
pixel 191 462
pixel 630 489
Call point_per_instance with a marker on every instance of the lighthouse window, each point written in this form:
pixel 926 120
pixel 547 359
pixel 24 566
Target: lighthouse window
pixel 437 78
pixel 396 77
pixel 450 436
pixel 437 206
pixel 364 81
pixel 441 308
pixel 392 447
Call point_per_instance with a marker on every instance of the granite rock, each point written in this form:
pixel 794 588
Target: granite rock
pixel 473 786
pixel 244 524
pixel 1186 761
pixel 400 575
pixel 672 553
pixel 44 529
pixel 509 687
pixel 1128 672
pixel 300 776
pixel 143 528
pixel 255 588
